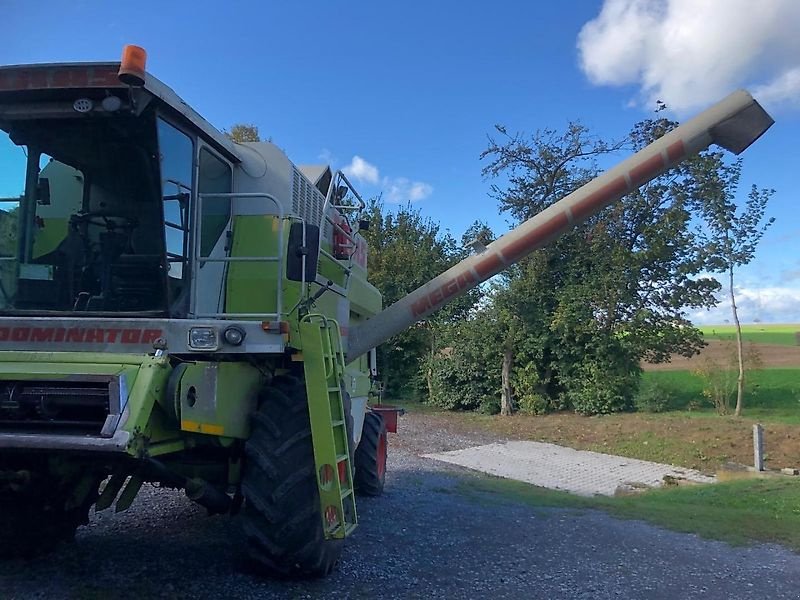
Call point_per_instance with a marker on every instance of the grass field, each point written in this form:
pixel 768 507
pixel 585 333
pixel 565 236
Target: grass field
pixel 759 333
pixel 772 395
pixel 738 512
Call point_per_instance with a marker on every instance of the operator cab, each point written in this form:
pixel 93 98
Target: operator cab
pixel 97 185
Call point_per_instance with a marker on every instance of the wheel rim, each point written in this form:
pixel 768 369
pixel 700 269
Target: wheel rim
pixel 381 462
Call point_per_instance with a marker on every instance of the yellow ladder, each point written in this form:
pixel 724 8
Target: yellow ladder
pixel 323 363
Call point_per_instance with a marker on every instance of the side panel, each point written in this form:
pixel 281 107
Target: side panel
pixel 218 398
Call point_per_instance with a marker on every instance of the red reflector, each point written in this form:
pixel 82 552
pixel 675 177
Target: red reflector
pixel 331 516
pixel 325 476
pixel 342 472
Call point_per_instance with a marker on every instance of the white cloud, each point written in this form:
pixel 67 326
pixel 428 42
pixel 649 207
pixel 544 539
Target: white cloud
pixel 689 53
pixel 784 89
pixel 396 190
pixel 765 305
pixel 362 171
pixel 399 190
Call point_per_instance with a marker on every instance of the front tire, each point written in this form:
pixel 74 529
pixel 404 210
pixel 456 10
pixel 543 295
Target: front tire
pixel 282 518
pixel 370 458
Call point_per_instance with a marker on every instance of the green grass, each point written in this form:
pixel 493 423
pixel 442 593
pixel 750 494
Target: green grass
pixel 658 447
pixel 737 512
pixel 784 335
pixel 771 394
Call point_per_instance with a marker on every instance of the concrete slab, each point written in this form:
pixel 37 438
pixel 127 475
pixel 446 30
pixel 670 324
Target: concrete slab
pixel 559 468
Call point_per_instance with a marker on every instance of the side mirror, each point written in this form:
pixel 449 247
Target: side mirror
pixel 43 191
pixel 363 224
pixel 296 251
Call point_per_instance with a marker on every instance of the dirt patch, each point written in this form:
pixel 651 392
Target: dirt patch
pixel 706 443
pixel 769 355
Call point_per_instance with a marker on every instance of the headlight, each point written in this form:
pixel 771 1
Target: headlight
pixel 234 335
pixel 203 338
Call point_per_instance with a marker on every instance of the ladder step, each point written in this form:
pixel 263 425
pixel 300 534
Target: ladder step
pixel 346 493
pixel 334 389
pixel 348 528
pixel 337 423
pixel 341 457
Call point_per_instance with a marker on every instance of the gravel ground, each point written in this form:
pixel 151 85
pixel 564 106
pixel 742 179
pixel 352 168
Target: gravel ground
pixel 423 538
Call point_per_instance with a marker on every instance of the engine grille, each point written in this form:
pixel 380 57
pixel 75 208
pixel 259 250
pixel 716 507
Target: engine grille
pixel 68 407
pixel 307 201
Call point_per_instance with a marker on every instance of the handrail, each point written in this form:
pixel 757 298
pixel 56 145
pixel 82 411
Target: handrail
pixel 198 259
pixel 339 176
pixel 361 204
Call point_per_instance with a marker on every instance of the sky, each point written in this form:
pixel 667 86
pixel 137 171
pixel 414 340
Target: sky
pixel 402 96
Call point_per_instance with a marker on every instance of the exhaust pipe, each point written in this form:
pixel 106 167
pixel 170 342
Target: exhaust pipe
pixel 733 123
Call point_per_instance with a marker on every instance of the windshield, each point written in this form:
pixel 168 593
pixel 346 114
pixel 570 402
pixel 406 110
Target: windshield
pixel 80 216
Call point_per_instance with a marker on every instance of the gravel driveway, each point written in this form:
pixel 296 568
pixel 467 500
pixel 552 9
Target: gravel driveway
pixel 423 538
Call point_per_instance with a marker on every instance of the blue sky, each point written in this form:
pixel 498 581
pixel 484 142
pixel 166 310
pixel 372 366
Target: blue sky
pixel 405 93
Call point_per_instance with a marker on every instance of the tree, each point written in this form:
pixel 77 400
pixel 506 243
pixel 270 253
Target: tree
pixel 611 292
pixel 244 132
pixel 731 235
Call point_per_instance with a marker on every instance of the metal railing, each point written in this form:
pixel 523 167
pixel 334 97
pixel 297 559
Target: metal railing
pixel 330 198
pixel 199 260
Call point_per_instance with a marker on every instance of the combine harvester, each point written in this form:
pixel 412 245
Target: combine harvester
pixel 180 309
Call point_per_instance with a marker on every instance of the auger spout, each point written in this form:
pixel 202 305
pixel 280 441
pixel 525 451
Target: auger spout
pixel 733 123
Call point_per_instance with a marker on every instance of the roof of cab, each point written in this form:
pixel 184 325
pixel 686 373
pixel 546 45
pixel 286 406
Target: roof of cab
pixel 103 75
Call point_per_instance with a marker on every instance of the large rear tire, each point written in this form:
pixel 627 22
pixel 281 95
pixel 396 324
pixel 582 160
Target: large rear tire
pixel 370 457
pixel 38 511
pixel 282 518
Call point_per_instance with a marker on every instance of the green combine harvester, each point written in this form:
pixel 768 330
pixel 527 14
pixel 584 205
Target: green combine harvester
pixel 180 309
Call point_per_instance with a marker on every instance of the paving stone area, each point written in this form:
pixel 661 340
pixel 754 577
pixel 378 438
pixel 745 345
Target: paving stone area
pixel 559 468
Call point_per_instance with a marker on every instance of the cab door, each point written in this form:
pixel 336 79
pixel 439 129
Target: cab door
pixel 212 230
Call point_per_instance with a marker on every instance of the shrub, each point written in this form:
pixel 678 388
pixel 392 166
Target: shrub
pixel 527 391
pixel 601 385
pixel 654 397
pixel 464 373
pixel 459 382
pixel 533 404
pixel 490 405
pixel 720 375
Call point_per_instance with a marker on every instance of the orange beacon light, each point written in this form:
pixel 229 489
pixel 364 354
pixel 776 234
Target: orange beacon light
pixel 131 68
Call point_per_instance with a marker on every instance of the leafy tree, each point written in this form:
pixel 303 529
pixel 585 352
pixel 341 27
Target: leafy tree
pixel 731 235
pixel 613 291
pixel 244 132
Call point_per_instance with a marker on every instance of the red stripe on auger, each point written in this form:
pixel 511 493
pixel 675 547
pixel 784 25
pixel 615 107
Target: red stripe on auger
pixel 490 264
pixel 581 210
pixel 646 170
pixel 518 248
pixel 675 151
